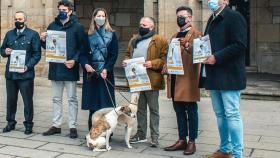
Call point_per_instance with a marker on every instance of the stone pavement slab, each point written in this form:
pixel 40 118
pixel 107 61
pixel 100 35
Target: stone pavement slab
pixel 70 149
pixel 57 139
pixel 71 156
pixel 27 152
pixel 16 134
pixel 6 156
pixel 20 142
pixel 119 154
pixel 272 140
pixel 264 153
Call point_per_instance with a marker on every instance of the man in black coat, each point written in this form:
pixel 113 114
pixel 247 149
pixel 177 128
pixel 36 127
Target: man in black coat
pixel 21 38
pixel 66 74
pixel 224 74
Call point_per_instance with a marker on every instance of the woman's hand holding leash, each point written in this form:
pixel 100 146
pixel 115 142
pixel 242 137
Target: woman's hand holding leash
pixel 89 69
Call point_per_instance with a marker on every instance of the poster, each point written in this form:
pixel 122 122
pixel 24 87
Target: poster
pixel 136 75
pixel 17 61
pixel 201 49
pixel 56 46
pixel 174 59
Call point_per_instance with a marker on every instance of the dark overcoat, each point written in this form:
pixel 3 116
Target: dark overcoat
pixel 28 40
pixel 75 40
pixel 228 36
pixel 95 94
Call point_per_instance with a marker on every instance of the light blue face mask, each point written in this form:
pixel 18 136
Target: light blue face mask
pixel 213 5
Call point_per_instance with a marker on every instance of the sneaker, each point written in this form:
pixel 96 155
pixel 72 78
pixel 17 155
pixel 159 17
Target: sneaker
pixel 154 143
pixel 137 138
pixel 73 133
pixel 51 131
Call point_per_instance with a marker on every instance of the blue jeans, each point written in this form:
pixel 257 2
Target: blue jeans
pixel 226 105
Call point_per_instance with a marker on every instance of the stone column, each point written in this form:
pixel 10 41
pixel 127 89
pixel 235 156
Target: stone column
pixel 253 33
pixel 267 35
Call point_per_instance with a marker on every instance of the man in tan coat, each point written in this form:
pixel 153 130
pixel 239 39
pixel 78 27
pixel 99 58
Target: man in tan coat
pixel 153 48
pixel 183 89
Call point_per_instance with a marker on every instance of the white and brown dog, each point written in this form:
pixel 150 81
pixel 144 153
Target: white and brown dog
pixel 123 119
pixel 103 126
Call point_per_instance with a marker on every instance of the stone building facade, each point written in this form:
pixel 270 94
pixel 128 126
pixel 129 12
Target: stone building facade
pixel 263 20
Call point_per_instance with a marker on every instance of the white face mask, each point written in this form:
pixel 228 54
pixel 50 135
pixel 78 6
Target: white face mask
pixel 100 21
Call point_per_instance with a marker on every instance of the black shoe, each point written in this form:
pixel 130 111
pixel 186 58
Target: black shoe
pixel 73 133
pixel 28 131
pixel 8 128
pixel 51 131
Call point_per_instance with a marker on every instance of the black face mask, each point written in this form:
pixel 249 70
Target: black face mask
pixel 143 31
pixel 19 25
pixel 181 21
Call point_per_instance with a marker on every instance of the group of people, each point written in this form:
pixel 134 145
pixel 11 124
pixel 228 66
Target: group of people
pixel 223 73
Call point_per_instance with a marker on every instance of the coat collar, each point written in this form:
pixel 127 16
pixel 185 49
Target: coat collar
pixel 153 39
pixel 23 33
pixel 220 17
pixel 188 35
pixel 223 13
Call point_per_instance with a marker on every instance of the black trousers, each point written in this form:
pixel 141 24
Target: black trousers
pixel 187 119
pixel 91 112
pixel 26 88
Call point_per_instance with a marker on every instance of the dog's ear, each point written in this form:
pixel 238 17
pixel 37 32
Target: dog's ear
pixel 122 108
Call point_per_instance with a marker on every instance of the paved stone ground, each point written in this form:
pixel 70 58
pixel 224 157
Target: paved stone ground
pixel 261 127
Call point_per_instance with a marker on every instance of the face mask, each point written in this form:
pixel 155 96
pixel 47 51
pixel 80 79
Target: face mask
pixel 19 25
pixel 213 5
pixel 100 21
pixel 181 21
pixel 143 31
pixel 62 15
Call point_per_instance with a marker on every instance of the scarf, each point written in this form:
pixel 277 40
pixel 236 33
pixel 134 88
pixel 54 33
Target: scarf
pixel 141 38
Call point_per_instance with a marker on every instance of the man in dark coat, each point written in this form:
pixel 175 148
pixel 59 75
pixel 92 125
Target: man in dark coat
pixel 65 74
pixel 21 38
pixel 224 74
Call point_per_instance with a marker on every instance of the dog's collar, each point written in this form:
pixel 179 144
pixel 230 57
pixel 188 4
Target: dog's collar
pixel 134 104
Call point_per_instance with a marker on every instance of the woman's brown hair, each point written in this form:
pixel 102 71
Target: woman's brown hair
pixel 92 27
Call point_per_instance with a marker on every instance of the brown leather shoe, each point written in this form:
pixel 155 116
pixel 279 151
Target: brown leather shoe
pixel 179 145
pixel 190 149
pixel 73 133
pixel 51 131
pixel 219 154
